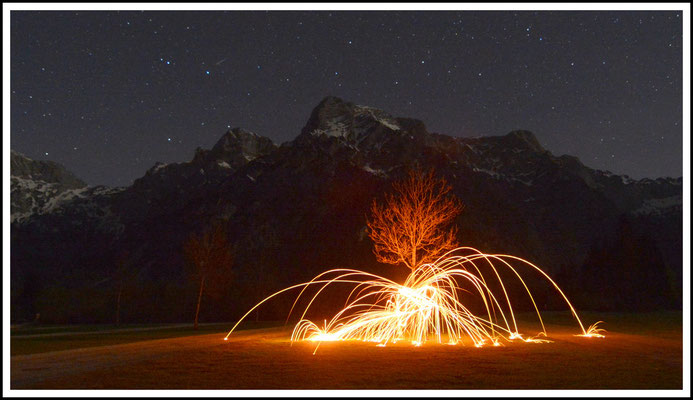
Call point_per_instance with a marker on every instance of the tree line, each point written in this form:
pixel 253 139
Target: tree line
pixel 413 225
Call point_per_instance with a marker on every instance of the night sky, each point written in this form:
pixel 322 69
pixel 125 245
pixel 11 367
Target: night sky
pixel 107 94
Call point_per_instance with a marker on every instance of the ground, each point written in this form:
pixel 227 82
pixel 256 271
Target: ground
pixel 641 351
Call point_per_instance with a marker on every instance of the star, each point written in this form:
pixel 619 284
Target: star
pixel 577 99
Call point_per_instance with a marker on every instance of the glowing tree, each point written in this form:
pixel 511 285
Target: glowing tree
pixel 210 253
pixel 411 226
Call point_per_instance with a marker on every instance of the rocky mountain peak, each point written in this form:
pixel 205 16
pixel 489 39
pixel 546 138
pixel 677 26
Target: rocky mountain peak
pixel 239 146
pixel 22 166
pixel 335 117
pixel 39 185
pixel 523 138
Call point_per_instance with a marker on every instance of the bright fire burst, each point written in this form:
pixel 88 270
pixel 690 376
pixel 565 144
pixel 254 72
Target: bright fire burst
pixel 428 305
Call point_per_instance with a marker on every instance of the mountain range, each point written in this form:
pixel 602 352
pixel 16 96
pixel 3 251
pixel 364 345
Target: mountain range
pixel 296 209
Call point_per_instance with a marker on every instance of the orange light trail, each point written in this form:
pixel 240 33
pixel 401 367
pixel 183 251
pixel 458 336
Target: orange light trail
pixel 427 306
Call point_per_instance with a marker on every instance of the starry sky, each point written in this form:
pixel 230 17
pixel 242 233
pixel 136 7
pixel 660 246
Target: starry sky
pixel 107 94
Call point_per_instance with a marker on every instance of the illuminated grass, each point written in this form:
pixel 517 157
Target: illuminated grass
pixel 66 337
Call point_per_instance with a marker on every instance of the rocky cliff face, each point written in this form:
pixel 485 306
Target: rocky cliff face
pixel 39 186
pixel 298 209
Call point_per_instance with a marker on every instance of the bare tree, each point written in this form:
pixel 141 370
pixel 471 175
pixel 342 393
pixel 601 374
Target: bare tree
pixel 210 253
pixel 410 227
pixel 121 272
pixel 123 276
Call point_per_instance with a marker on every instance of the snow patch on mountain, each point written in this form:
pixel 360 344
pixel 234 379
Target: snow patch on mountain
pixel 378 115
pixel 158 166
pixel 504 177
pixel 30 197
pixel 63 197
pixel 332 129
pixel 659 206
pixel 377 172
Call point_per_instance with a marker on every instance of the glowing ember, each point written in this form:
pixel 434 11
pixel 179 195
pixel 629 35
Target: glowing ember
pixel 427 306
pixel 593 331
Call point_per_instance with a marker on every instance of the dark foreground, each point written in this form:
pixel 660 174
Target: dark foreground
pixel 638 353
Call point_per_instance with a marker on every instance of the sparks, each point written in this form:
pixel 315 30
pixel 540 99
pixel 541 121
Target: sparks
pixel 593 331
pixel 428 306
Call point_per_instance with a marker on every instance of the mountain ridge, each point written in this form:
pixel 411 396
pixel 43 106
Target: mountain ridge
pixel 296 208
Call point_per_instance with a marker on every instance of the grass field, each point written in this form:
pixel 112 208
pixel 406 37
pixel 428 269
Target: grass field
pixel 41 339
pixel 641 351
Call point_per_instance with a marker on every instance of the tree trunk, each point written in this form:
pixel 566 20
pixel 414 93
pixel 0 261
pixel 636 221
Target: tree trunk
pixel 120 292
pixel 413 257
pixel 199 298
